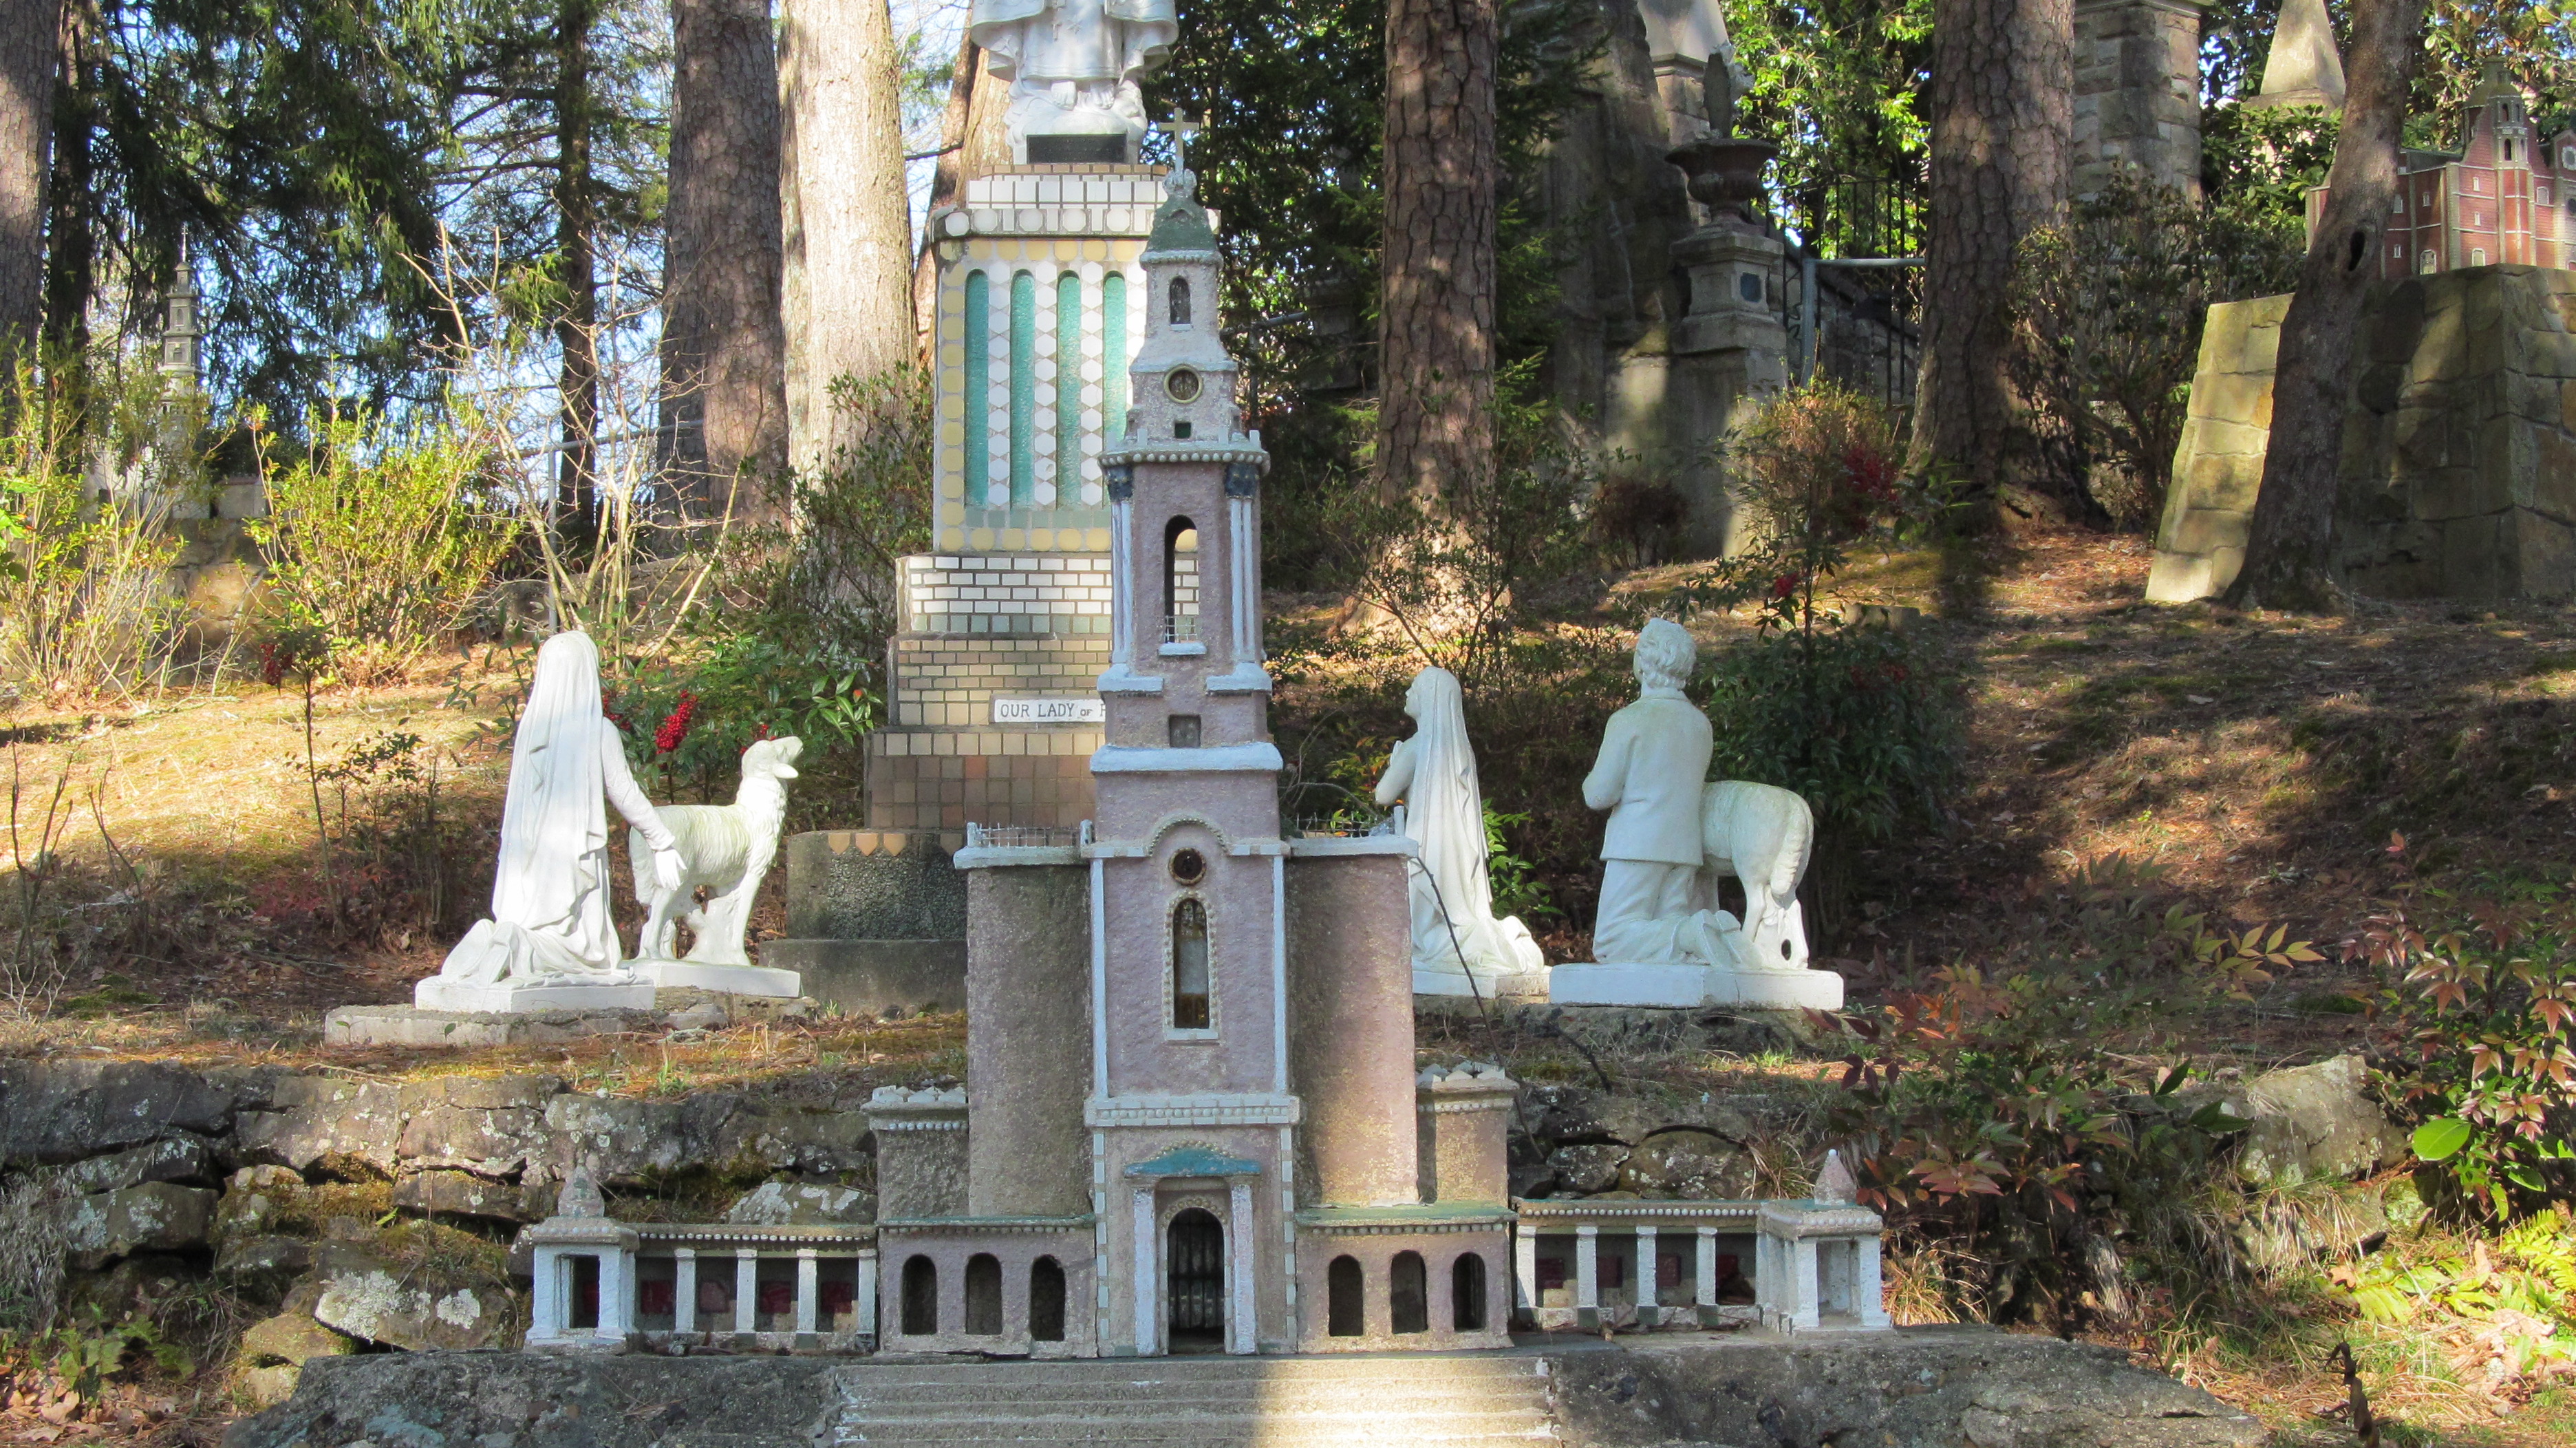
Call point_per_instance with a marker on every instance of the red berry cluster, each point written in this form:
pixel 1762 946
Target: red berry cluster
pixel 675 728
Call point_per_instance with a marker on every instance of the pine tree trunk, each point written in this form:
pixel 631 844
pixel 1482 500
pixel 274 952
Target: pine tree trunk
pixel 724 379
pixel 847 228
pixel 1435 430
pixel 30 57
pixel 71 237
pixel 577 326
pixel 2288 552
pixel 2002 118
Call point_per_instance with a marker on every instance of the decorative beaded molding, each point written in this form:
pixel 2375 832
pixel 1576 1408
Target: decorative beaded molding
pixel 1209 1109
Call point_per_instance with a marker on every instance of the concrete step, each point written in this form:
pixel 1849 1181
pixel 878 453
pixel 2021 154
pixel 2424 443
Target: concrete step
pixel 1412 1396
pixel 1141 1426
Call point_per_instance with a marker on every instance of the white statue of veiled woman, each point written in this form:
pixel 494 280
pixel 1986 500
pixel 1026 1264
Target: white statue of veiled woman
pixel 550 896
pixel 1455 934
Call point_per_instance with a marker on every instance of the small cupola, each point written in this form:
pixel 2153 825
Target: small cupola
pixel 1182 387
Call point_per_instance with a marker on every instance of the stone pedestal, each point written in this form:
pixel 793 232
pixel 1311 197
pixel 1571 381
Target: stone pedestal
pixel 440 993
pixel 731 979
pixel 2137 93
pixel 876 921
pixel 1527 985
pixel 1729 352
pixel 1614 984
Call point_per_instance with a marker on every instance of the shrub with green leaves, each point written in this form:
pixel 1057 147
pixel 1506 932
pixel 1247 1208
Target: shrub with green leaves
pixel 378 543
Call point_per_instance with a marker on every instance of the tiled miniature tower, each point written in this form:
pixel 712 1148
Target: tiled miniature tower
pixel 1191 1116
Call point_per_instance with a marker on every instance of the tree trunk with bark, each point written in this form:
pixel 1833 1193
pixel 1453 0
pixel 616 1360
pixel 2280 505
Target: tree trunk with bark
pixel 31 56
pixel 1435 427
pixel 2288 553
pixel 2002 118
pixel 724 350
pixel 71 240
pixel 847 225
pixel 576 235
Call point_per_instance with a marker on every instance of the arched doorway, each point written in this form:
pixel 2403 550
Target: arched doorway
pixel 1195 1267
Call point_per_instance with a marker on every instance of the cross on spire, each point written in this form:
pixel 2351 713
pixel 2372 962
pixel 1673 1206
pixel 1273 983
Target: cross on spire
pixel 1181 128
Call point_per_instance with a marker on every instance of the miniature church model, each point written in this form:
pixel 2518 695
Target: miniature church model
pixel 1191 1118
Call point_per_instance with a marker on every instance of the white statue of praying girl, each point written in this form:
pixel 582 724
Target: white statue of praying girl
pixel 550 897
pixel 1459 948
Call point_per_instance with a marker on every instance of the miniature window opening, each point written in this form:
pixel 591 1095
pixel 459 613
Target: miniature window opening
pixel 1046 1300
pixel 715 1300
pixel 1189 966
pixel 1189 866
pixel 920 1296
pixel 1345 1315
pixel 774 1295
pixel 1467 1293
pixel 656 1293
pixel 983 1295
pixel 1179 312
pixel 1195 1249
pixel 836 1297
pixel 1408 1294
pixel 584 1296
pixel 1749 286
pixel 1180 581
pixel 1181 429
pixel 1184 729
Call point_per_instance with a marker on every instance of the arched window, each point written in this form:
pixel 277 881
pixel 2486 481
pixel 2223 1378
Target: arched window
pixel 1408 1294
pixel 920 1296
pixel 983 1295
pixel 1068 386
pixel 1180 581
pixel 1345 1314
pixel 1113 356
pixel 1024 389
pixel 1467 1293
pixel 1179 314
pixel 1046 1301
pixel 1189 967
pixel 979 388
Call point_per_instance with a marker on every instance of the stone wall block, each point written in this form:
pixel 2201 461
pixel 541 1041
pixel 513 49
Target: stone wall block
pixel 174 1159
pixel 2554 492
pixel 2204 529
pixel 62 1111
pixel 342 1127
pixel 149 1217
pixel 2544 556
pixel 2547 352
pixel 410 1307
pixel 487 1143
pixel 481 1093
pixel 621 1142
pixel 791 1138
pixel 2471 551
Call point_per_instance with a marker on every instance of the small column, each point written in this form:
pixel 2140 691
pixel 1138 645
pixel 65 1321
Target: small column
pixel 746 1290
pixel 865 1308
pixel 1650 1308
pixel 1240 1337
pixel 1587 1277
pixel 1704 1291
pixel 1869 1290
pixel 808 1290
pixel 546 1315
pixel 1149 1338
pixel 1525 1270
pixel 616 1296
pixel 1122 561
pixel 1806 1283
pixel 684 1290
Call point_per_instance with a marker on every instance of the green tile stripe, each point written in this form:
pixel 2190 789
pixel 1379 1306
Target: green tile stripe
pixel 979 387
pixel 1024 389
pixel 1068 387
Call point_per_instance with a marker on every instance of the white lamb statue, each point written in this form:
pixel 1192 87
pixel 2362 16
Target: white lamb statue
pixel 727 848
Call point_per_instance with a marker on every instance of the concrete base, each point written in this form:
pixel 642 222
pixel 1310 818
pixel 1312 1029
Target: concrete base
pixel 1604 984
pixel 413 1026
pixel 1524 985
pixel 752 980
pixel 438 993
pixel 871 977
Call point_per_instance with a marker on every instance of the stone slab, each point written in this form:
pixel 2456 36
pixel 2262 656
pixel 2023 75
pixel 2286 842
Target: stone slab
pixel 413 1026
pixel 752 980
pixel 438 993
pixel 1528 985
pixel 1594 983
pixel 874 976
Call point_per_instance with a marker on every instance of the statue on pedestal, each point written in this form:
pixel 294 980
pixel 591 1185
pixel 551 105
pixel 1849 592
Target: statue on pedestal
pixel 1459 947
pixel 550 941
pixel 1074 65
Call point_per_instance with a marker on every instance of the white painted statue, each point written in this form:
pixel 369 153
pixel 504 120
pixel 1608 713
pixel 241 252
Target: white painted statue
pixel 550 927
pixel 1455 933
pixel 1074 65
pixel 1659 936
pixel 725 847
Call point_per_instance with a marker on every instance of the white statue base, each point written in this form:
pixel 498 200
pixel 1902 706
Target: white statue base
pixel 1528 985
pixel 754 980
pixel 446 993
pixel 1613 984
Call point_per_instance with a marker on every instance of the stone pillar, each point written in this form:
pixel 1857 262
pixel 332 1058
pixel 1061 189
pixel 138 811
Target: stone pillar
pixel 1704 1287
pixel 1350 1002
pixel 1524 1270
pixel 746 1291
pixel 1650 1308
pixel 865 1308
pixel 1463 1116
pixel 1028 1058
pixel 808 1290
pixel 1730 351
pixel 684 1290
pixel 1587 1277
pixel 1241 1311
pixel 2137 92
pixel 876 920
pixel 921 1152
pixel 1149 1280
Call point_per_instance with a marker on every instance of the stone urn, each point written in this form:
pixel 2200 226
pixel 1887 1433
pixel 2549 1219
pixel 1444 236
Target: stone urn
pixel 1726 174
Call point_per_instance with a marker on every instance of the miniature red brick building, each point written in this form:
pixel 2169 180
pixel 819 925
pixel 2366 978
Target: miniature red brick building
pixel 2504 198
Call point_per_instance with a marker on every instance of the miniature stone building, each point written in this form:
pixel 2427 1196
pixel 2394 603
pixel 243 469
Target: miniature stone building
pixel 1589 1264
pixel 2496 201
pixel 1819 1266
pixel 1192 1118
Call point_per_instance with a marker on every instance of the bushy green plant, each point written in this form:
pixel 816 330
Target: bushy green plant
pixel 2109 307
pixel 2482 1044
pixel 85 600
pixel 377 544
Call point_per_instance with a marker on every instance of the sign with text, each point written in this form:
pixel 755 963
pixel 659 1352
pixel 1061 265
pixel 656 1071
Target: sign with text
pixel 1050 711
